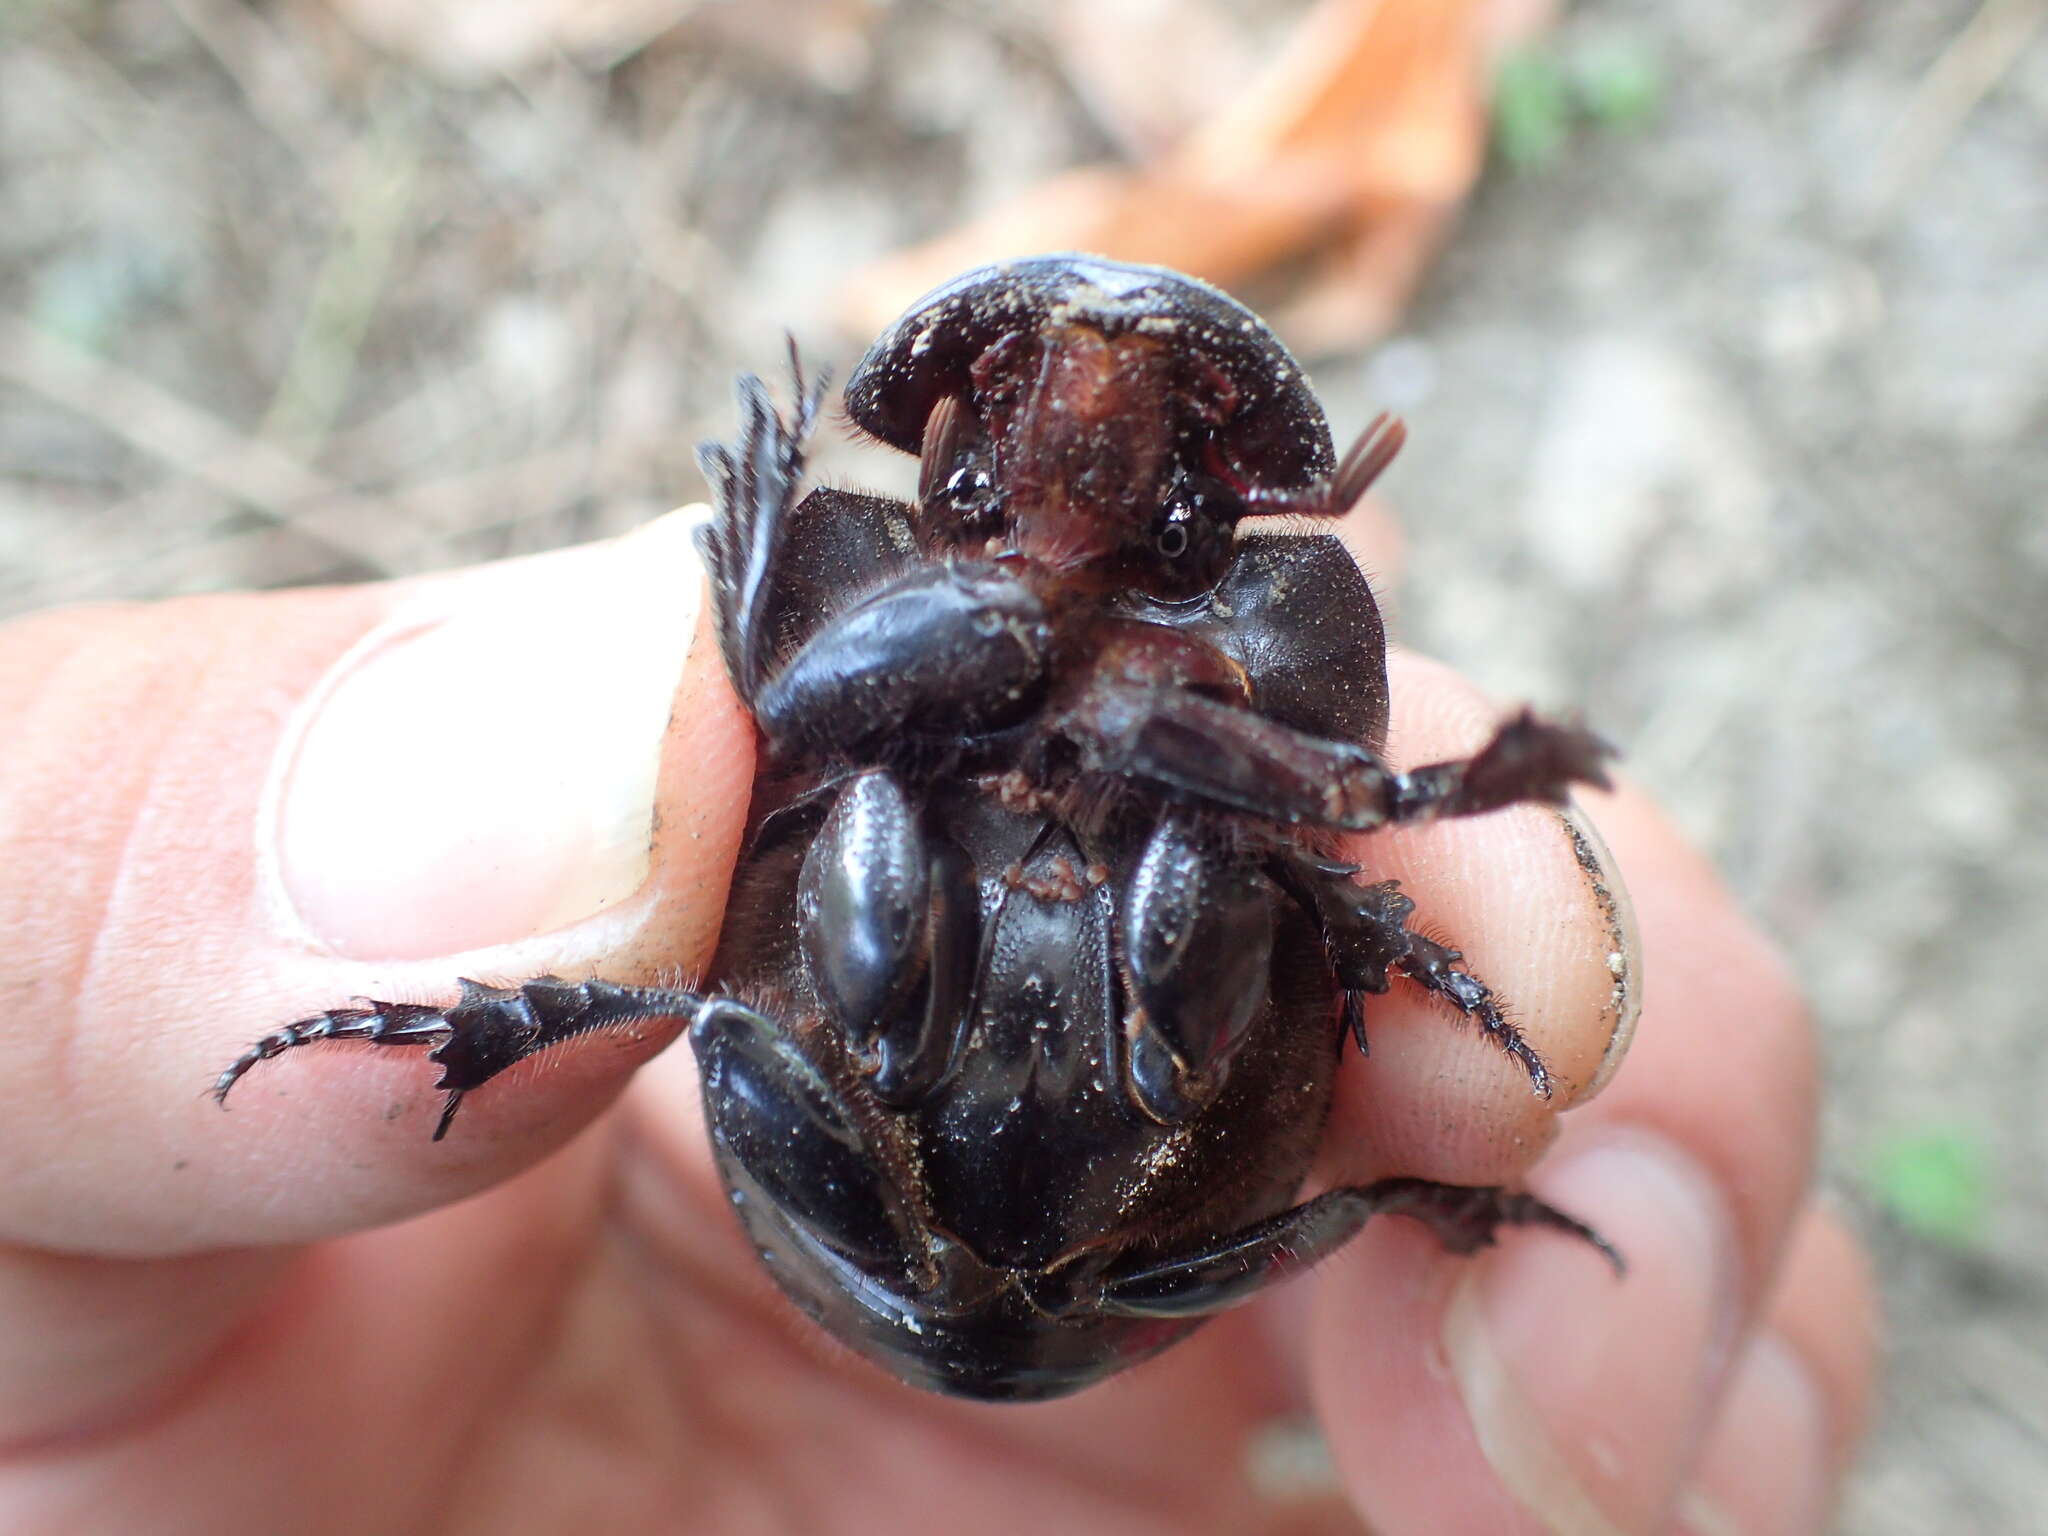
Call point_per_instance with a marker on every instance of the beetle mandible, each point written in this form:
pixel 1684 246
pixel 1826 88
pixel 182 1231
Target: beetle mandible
pixel 1039 961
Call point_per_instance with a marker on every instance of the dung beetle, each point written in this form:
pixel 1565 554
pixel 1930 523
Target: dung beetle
pixel 1039 959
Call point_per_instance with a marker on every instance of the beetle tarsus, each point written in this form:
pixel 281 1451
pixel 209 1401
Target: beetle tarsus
pixel 449 1105
pixel 1366 934
pixel 1528 759
pixel 375 1023
pixel 1467 1218
pixel 1434 966
pixel 479 1036
pixel 1237 758
pixel 1352 1019
pixel 1237 1266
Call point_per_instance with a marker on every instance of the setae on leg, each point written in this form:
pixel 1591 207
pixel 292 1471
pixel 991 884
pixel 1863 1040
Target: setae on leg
pixel 1237 1267
pixel 476 1038
pixel 1366 934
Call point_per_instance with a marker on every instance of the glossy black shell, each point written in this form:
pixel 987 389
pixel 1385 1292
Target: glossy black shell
pixel 1035 1174
pixel 1027 1011
pixel 1030 1158
pixel 1031 1170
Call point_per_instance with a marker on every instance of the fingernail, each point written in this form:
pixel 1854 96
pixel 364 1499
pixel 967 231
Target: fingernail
pixel 1766 1467
pixel 1587 1393
pixel 1624 944
pixel 481 767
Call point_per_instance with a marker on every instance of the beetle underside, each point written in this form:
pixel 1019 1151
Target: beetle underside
pixel 1038 965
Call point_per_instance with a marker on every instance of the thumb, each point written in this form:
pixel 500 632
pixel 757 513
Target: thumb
pixel 219 815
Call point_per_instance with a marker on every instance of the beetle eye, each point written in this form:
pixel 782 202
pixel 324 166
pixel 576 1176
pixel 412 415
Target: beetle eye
pixel 1190 541
pixel 970 496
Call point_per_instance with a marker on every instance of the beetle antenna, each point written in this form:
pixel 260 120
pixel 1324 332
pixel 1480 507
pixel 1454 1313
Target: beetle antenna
pixel 1368 459
pixel 808 400
pixel 1363 463
pixel 941 446
pixel 796 365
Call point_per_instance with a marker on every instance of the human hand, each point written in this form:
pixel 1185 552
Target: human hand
pixel 223 813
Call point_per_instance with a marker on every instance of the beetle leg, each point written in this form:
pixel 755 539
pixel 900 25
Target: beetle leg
pixel 1232 756
pixel 886 915
pixel 475 1039
pixel 803 1163
pixel 955 648
pixel 1435 966
pixel 1465 1218
pixel 1366 934
pixel 1226 754
pixel 779 567
pixel 1195 940
pixel 753 485
pixel 1528 759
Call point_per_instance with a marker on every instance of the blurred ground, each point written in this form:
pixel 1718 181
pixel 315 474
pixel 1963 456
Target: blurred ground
pixel 1732 428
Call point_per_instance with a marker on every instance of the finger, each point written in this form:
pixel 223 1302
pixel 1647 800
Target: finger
pixel 1531 1390
pixel 347 1397
pixel 225 814
pixel 1527 895
pixel 1798 1397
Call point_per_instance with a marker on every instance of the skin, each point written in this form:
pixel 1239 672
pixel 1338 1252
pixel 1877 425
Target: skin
pixel 302 1315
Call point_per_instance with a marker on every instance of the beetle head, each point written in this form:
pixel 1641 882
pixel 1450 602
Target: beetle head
pixel 1129 413
pixel 1081 426
pixel 1271 431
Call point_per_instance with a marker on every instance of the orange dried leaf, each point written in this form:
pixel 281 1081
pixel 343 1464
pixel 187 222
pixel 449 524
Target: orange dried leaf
pixel 1149 69
pixel 1362 137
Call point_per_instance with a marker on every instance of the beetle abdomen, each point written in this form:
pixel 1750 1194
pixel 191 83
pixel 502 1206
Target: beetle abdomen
pixel 1024 1147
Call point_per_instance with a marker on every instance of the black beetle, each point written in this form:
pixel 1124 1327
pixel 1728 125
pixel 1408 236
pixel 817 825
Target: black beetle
pixel 1038 963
